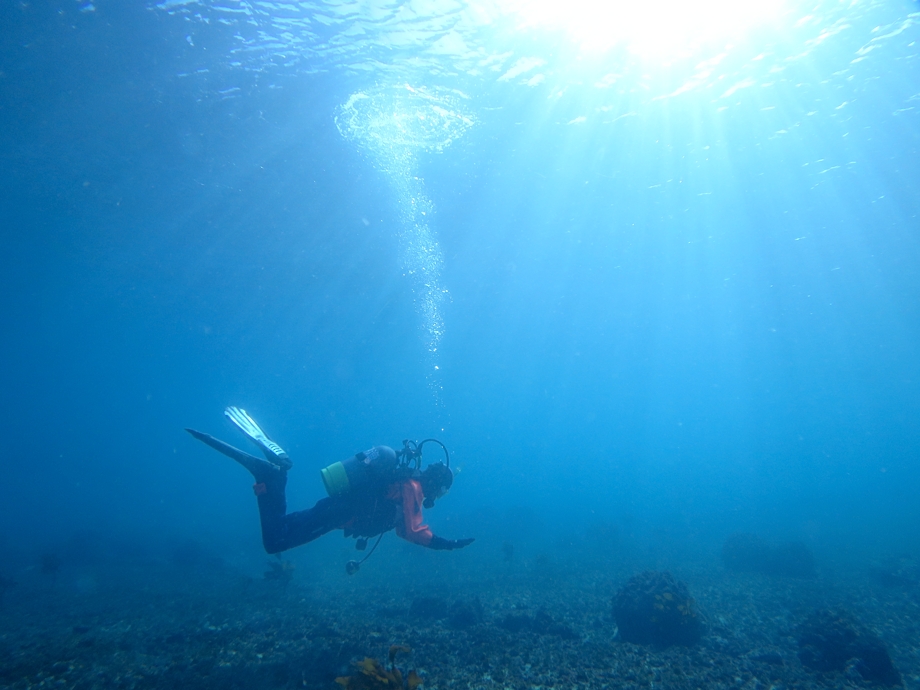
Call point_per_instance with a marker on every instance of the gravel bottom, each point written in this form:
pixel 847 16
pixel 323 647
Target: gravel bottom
pixel 540 624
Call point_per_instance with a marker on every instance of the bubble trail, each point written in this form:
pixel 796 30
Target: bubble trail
pixel 394 125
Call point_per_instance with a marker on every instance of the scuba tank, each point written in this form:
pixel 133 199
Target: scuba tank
pixel 379 465
pixel 360 471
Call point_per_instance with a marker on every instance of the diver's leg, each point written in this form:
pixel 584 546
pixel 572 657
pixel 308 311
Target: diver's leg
pixel 281 530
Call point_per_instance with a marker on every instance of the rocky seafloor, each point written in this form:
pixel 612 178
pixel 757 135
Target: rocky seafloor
pixel 472 620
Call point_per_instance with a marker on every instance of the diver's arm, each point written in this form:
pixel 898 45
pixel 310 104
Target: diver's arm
pixel 411 527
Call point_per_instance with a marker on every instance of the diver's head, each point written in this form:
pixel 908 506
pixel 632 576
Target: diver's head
pixel 435 480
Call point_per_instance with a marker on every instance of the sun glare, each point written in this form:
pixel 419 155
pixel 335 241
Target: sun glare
pixel 663 29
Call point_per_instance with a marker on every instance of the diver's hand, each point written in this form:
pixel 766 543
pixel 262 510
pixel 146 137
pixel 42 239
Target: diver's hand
pixel 439 544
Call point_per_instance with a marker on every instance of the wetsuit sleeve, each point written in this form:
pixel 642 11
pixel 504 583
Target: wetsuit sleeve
pixel 410 527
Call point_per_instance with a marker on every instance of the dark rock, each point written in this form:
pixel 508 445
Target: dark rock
pixel 835 642
pixel 654 608
pixel 428 608
pixel 897 573
pixel 544 624
pixel 390 611
pixel 891 579
pixel 465 614
pixel 791 559
pixel 541 621
pixel 769 657
pixel 515 623
pixel 743 552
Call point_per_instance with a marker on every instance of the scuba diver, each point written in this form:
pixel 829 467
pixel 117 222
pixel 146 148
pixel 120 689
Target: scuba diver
pixel 369 494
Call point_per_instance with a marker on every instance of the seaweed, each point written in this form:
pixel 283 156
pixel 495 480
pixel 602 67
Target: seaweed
pixel 372 675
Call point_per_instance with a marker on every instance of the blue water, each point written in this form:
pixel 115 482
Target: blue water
pixel 680 296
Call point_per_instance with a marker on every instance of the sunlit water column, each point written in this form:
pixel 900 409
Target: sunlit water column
pixel 394 125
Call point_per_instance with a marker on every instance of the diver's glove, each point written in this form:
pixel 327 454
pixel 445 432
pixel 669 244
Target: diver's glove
pixel 439 544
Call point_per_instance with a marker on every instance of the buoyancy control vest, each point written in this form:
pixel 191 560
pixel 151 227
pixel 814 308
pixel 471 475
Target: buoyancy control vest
pixel 366 471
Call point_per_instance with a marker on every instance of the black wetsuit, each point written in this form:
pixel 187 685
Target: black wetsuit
pixel 365 515
pixel 391 501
